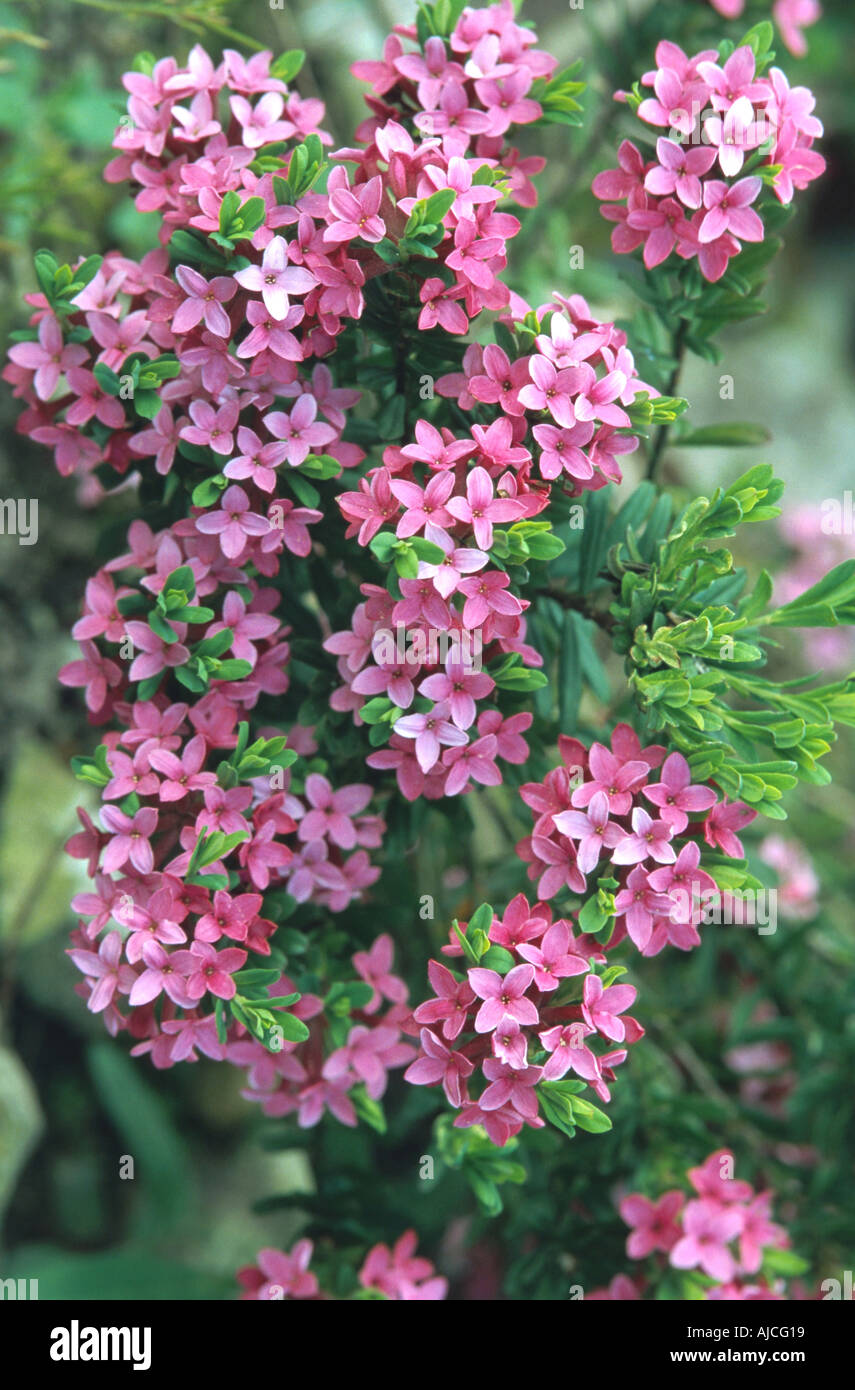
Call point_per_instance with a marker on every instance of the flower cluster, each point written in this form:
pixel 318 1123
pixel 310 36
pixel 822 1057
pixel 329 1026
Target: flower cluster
pixel 602 812
pixel 728 132
pixel 519 1020
pixel 196 824
pixel 349 1046
pixel 562 409
pixel 399 1274
pixel 723 1233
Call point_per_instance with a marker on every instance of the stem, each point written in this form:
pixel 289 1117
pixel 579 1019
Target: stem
pixel 662 433
pixel 580 603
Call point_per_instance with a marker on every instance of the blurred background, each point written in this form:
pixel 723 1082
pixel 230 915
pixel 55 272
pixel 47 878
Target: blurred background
pixel 751 1041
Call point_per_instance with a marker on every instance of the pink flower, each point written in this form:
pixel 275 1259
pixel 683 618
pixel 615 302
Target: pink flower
pixel 257 461
pixel 460 687
pixel 655 1225
pixel 212 428
pixel 640 905
pixel 600 1007
pixel 440 307
pixel 431 731
pixel 280 1276
pixel 675 796
pixel 567 1049
pixel 424 506
pixel 617 777
pixel 459 560
pixel 261 125
pixel 332 812
pixel 354 212
pixel 452 1004
pixel 502 995
pixel 679 171
pixel 554 959
pixel 439 1063
pixel 480 509
pixel 48 358
pixel 212 970
pixel 399 1273
pixel 561 450
pixel 708 1229
pixel 592 829
pixel 375 967
pixel 164 974
pixel 182 774
pixel 471 253
pixel 476 760
pixel 205 300
pixel 734 134
pixel 95 672
pixel 728 210
pixel 274 279
pixel 650 839
pixel 131 836
pixel 107 969
pixel 299 430
pixel 486 594
pixel 664 226
pixel 233 522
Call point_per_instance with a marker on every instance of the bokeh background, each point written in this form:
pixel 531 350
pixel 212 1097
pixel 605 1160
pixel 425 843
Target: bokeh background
pixel 751 1040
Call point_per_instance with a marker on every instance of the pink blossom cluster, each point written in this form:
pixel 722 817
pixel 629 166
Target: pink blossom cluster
pixel 561 408
pixel 398 1274
pixel 530 1020
pixel 723 1230
pixel 465 100
pixel 696 198
pixel 308 1079
pixel 603 813
pixel 155 949
pixel 791 17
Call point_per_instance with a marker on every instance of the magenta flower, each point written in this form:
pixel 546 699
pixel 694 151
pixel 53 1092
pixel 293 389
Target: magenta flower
pixel 600 1007
pixel 734 134
pixel 592 829
pixel 332 812
pixel 679 171
pixel 728 210
pixel 400 1273
pixel 262 124
pixel 655 1225
pixel 48 358
pixel 476 760
pixel 568 1052
pixel 650 839
pixel 708 1228
pixel 617 777
pixel 354 212
pixel 212 429
pixel 440 1063
pixel 212 970
pixel 480 509
pixel 233 523
pixel 375 968
pixel 164 974
pixel 107 969
pixel 431 732
pixel 299 430
pixel 472 252
pixel 511 1086
pixel 131 836
pixel 257 461
pixel 270 334
pixel 452 1004
pixel 425 507
pixel 460 688
pixel 675 796
pixel 274 279
pixel 554 959
pixel 440 307
pixel 502 995
pixel 205 300
pixel 280 1276
pixel 459 560
pixel 182 775
pixel 562 452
